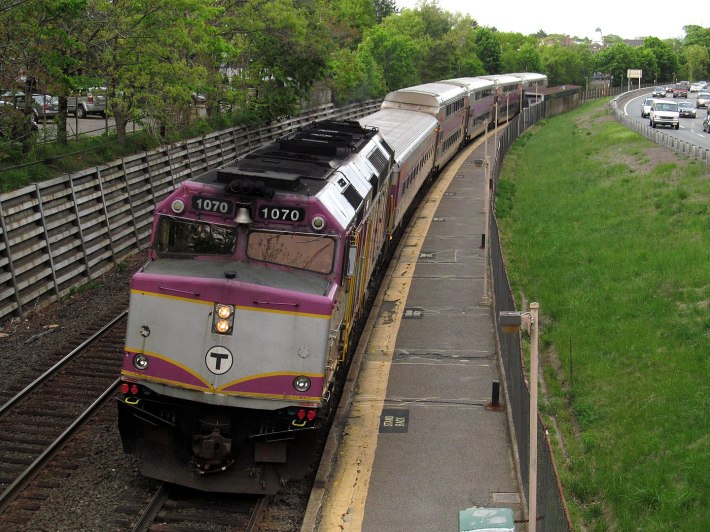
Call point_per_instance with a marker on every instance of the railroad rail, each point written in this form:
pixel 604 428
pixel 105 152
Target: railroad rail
pixel 182 509
pixel 43 417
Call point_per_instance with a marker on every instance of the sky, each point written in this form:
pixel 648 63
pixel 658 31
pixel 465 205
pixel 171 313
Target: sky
pixel 628 20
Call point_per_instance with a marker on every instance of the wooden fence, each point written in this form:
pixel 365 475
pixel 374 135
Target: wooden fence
pixel 58 235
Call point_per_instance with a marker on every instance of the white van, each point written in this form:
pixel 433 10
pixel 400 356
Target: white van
pixel 664 113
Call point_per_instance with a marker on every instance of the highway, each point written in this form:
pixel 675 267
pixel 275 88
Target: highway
pixel 691 129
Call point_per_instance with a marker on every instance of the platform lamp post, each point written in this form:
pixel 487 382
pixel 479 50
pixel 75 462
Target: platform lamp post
pixel 485 163
pixel 510 323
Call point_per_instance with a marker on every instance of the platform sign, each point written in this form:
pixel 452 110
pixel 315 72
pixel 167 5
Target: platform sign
pixel 394 420
pixel 478 519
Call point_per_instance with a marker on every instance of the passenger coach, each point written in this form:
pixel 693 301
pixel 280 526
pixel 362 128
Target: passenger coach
pixel 446 103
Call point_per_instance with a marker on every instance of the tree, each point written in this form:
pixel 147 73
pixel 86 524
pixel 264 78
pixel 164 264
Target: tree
pixel 697 60
pixel 146 57
pixel 666 61
pixel 396 54
pixel 488 50
pixel 437 22
pixel 519 53
pixel 384 8
pixel 278 50
pixel 566 64
pixel 462 44
pixel 615 60
pixel 398 46
pixel 352 18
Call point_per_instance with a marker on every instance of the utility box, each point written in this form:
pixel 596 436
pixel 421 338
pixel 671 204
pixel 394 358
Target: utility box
pixel 479 519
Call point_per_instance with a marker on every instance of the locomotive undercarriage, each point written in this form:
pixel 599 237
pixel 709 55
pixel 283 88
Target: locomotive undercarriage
pixel 228 450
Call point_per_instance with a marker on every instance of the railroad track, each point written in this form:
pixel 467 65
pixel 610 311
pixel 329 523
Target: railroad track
pixel 38 421
pixel 177 508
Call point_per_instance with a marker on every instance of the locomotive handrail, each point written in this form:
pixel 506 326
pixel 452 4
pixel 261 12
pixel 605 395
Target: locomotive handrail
pixel 185 292
pixel 284 303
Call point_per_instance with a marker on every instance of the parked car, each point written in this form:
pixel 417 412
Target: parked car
pixel 686 110
pixel 659 92
pixel 646 109
pixel 664 113
pixel 91 101
pixel 703 99
pixel 44 106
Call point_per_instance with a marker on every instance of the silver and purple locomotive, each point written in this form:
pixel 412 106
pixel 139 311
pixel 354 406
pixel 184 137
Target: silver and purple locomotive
pixel 240 320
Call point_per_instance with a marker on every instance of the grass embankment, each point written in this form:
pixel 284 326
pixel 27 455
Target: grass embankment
pixel 611 235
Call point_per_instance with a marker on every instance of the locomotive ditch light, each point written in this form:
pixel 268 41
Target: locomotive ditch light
pixel 302 383
pixel 140 361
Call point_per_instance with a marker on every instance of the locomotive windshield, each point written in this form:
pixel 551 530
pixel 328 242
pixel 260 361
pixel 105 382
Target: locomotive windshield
pixel 188 238
pixel 303 251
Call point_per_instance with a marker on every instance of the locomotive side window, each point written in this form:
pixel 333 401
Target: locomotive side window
pixel 302 251
pixel 190 238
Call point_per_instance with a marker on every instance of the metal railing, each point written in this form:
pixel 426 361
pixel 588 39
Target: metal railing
pixel 551 507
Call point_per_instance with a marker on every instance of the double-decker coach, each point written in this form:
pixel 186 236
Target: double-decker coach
pixel 509 92
pixel 480 101
pixel 443 101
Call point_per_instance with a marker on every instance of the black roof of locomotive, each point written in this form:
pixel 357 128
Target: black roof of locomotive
pixel 299 162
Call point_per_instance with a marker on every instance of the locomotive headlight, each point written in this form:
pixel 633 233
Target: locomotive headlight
pixel 302 383
pixel 140 361
pixel 223 321
pixel 178 206
pixel 224 311
pixel 222 326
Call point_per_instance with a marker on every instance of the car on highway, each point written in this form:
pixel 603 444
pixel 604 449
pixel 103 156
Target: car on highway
pixel 680 91
pixel 698 86
pixel 703 99
pixel 664 113
pixel 686 110
pixel 659 92
pixel 646 108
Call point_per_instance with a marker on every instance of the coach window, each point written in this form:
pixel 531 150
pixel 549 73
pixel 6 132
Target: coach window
pixel 303 251
pixel 187 238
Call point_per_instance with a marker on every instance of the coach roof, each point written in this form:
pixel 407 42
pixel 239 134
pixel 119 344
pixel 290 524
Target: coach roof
pixel 429 94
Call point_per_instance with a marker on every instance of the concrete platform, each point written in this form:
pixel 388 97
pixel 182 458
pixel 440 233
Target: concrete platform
pixel 415 440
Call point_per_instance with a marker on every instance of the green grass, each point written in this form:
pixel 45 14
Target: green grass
pixel 615 246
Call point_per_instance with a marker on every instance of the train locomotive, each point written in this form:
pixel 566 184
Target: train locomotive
pixel 241 322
